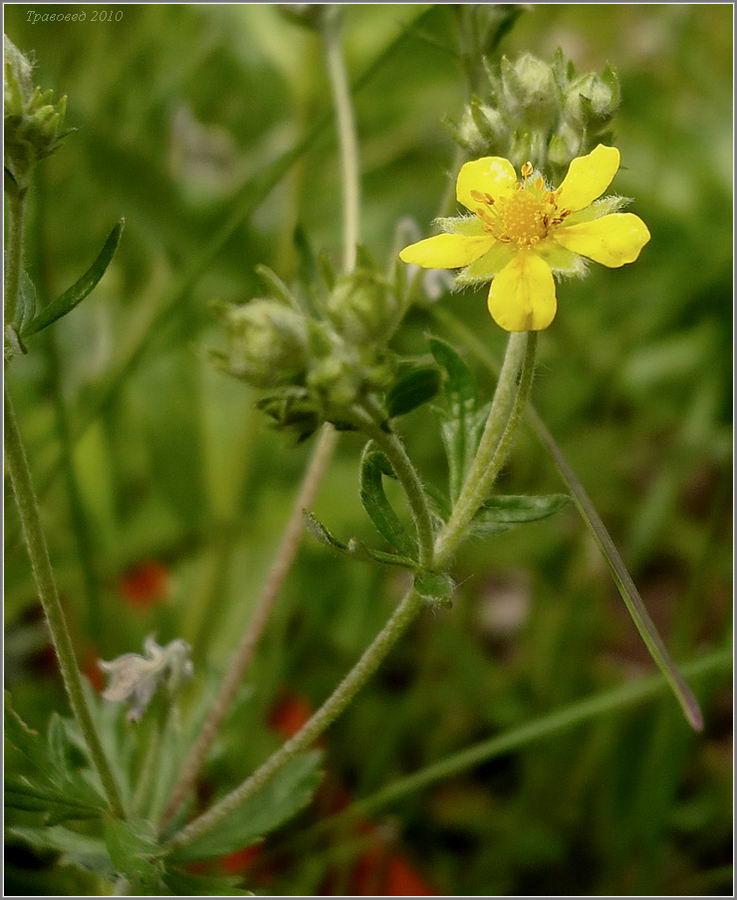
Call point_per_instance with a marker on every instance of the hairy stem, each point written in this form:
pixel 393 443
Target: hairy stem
pixel 507 408
pixel 20 478
pixel 346 135
pixel 14 250
pixel 243 655
pixel 325 715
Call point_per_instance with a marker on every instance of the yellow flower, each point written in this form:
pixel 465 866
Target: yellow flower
pixel 521 232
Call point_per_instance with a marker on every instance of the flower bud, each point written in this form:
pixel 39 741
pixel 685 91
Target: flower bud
pixel 362 309
pixel 592 99
pixel 267 343
pixel 33 122
pixel 529 92
pixel 482 129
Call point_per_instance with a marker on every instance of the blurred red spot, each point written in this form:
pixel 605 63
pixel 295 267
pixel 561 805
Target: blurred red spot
pixel 92 670
pixel 379 873
pixel 290 714
pixel 404 881
pixel 234 863
pixel 145 585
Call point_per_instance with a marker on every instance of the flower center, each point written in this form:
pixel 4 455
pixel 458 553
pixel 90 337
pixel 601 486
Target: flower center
pixel 523 217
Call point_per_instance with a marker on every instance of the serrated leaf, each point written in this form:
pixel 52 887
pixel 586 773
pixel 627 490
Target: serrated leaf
pixel 386 521
pixel 60 839
pixel 499 514
pixel 436 588
pixel 461 423
pixel 80 289
pixel 135 854
pixel 185 884
pixel 282 797
pixel 412 389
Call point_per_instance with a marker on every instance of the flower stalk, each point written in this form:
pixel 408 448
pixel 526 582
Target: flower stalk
pixel 508 405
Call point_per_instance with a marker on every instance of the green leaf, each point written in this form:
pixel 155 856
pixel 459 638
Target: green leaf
pixel 80 289
pixel 373 467
pixel 461 422
pixel 354 548
pixel 499 514
pixel 412 389
pixel 436 588
pixel 134 853
pixel 59 839
pixel 282 797
pixel 184 884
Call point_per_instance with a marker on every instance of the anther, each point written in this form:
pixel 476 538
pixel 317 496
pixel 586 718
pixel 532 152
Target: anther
pixel 527 169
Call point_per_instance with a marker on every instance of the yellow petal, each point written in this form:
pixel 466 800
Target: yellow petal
pixel 612 240
pixel 446 251
pixel 588 177
pixel 491 175
pixel 522 296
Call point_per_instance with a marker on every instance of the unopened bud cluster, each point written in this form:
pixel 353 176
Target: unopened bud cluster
pixel 33 123
pixel 542 112
pixel 316 367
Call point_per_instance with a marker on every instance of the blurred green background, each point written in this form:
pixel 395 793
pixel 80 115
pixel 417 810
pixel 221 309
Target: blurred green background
pixel 183 489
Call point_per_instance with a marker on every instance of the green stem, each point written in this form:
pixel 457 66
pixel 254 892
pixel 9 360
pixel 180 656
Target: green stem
pixel 507 408
pixel 20 478
pixel 405 471
pixel 328 712
pixel 346 135
pixel 14 250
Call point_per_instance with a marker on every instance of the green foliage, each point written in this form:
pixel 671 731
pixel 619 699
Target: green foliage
pixel 284 796
pixel 462 421
pixel 411 389
pixel 499 514
pixel 74 295
pixel 374 466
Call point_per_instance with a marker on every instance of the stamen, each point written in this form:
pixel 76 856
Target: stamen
pixel 527 169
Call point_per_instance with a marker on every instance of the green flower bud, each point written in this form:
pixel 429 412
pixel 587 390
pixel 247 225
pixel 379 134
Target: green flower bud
pixel 528 92
pixel 592 99
pixel 482 129
pixel 337 379
pixel 362 309
pixel 33 122
pixel 267 343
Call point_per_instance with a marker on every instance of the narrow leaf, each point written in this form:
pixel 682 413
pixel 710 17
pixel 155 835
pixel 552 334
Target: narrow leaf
pixel 78 291
pixel 386 521
pixel 499 514
pixel 283 797
pixel 278 290
pixel 411 389
pixel 185 884
pixel 622 578
pixel 355 549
